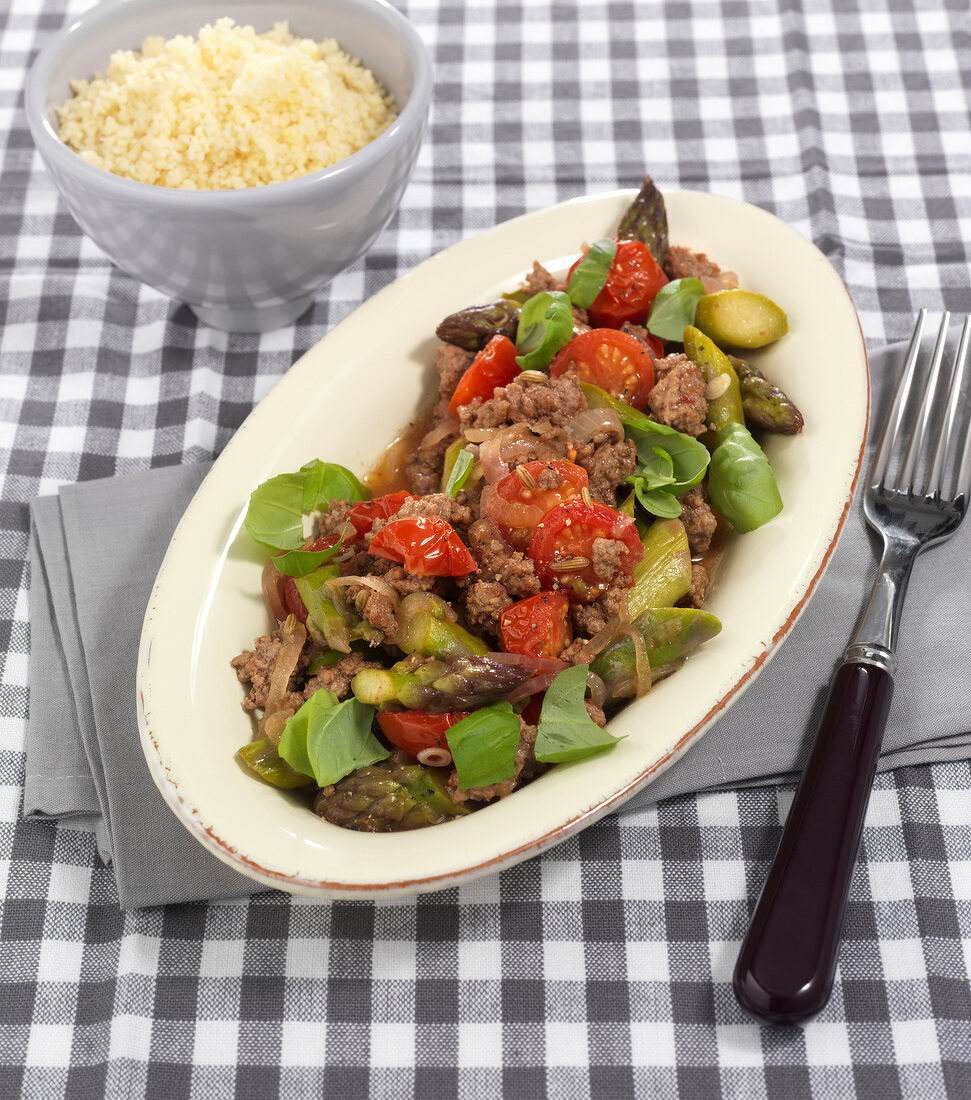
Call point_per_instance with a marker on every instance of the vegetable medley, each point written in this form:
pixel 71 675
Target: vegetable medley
pixel 546 556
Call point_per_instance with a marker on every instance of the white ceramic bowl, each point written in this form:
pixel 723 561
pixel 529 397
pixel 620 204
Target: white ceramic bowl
pixel 345 400
pixel 247 260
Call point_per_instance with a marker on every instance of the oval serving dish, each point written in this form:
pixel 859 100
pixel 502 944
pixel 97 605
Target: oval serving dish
pixel 345 401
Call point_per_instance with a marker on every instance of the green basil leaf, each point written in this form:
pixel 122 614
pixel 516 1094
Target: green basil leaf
pixel 565 730
pixel 327 481
pixel 274 517
pixel 328 739
pixel 659 502
pixel 298 563
pixel 545 326
pixel 674 308
pixel 484 745
pixel 741 483
pixel 460 472
pixel 590 275
pixel 657 470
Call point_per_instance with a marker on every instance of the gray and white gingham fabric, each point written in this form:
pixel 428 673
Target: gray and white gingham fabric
pixel 602 968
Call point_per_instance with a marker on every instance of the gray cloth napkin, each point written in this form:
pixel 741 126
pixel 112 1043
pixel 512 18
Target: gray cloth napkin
pixel 95 550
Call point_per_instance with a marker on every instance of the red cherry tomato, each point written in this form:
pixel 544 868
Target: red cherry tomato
pixel 632 285
pixel 518 501
pixel 291 597
pixel 413 730
pixel 533 709
pixel 365 512
pixel 563 548
pixel 538 626
pixel 655 345
pixel 615 361
pixel 425 545
pixel 494 366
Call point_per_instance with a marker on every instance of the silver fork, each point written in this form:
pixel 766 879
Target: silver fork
pixel 917 495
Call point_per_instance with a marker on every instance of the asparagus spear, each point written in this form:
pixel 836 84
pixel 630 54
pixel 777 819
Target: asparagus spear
pixel 392 795
pixel 435 686
pixel 663 575
pixel 764 403
pixel 725 402
pixel 646 220
pixel 472 328
pixel 424 628
pixel 263 758
pixel 669 633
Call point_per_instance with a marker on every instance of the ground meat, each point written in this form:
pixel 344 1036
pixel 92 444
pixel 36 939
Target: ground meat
pixel 423 471
pixel 337 678
pixel 484 602
pixel 451 363
pixel 607 555
pixel 637 331
pixel 698 519
pixel 699 585
pixel 333 521
pixel 576 653
pixel 499 562
pixel 590 618
pixel 682 263
pixel 539 279
pixel 609 465
pixel 556 402
pixel 595 713
pixel 527 768
pixel 374 607
pixel 436 504
pixel 255 668
pixel 405 583
pixel 678 397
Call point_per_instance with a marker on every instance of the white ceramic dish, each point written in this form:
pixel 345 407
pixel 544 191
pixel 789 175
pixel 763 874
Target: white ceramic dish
pixel 345 400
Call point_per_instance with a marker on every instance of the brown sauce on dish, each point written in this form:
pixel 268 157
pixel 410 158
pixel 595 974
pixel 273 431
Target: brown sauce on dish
pixel 388 474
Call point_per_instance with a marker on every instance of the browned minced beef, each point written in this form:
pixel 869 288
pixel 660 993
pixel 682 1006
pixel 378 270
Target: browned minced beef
pixel 499 562
pixel 374 607
pixel 589 618
pixel 333 521
pixel 639 332
pixel 698 519
pixel 608 466
pixel 539 279
pixel 527 767
pixel 255 668
pixel 484 602
pixel 451 363
pixel 557 402
pixel 699 585
pixel 678 397
pixel 423 471
pixel 459 515
pixel 682 263
pixel 576 653
pixel 337 678
pixel 595 713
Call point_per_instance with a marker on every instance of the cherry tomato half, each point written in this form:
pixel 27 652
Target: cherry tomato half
pixel 615 361
pixel 291 597
pixel 563 548
pixel 538 626
pixel 493 367
pixel 518 501
pixel 632 285
pixel 425 545
pixel 365 512
pixel 413 730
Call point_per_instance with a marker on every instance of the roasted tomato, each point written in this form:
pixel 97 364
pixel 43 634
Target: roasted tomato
pixel 365 512
pixel 632 285
pixel 291 597
pixel 538 626
pixel 518 501
pixel 615 361
pixel 413 731
pixel 425 545
pixel 494 366
pixel 567 556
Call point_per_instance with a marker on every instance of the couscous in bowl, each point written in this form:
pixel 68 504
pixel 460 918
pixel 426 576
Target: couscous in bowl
pixel 247 259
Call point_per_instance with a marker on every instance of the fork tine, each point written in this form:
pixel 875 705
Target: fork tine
pixel 935 477
pixel 915 446
pixel 963 484
pixel 896 414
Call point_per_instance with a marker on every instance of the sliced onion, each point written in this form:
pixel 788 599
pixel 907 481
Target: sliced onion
pixel 379 584
pixel 540 682
pixel 727 280
pixel 603 637
pixel 480 435
pixel 527 660
pixel 598 689
pixel 541 427
pixel 272 583
pixel 293 636
pixel 642 666
pixel 585 425
pixel 448 426
pixel 434 757
pixel 490 459
pixel 515 514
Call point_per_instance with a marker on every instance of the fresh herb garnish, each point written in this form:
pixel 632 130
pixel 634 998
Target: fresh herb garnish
pixel 298 563
pixel 590 275
pixel 545 326
pixel 327 481
pixel 328 739
pixel 658 502
pixel 459 473
pixel 674 308
pixel 566 731
pixel 484 745
pixel 741 483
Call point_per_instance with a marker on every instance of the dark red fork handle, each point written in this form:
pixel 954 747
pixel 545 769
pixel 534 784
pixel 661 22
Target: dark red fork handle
pixel 787 964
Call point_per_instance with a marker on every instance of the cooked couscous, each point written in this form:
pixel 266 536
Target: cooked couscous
pixel 229 109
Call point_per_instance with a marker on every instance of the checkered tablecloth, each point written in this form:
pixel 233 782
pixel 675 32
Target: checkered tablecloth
pixel 603 968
